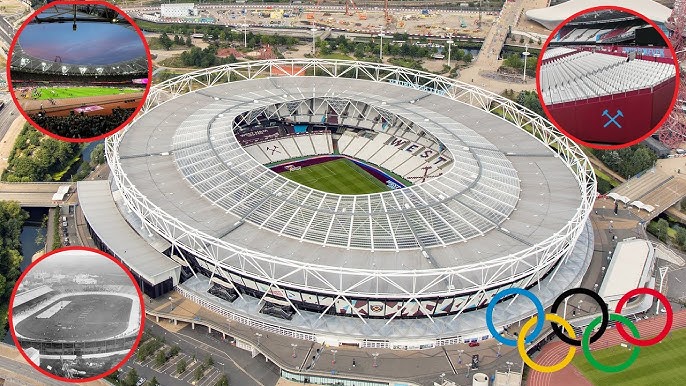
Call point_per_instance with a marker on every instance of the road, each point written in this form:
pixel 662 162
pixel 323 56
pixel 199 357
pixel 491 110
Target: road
pixel 238 364
pixel 30 194
pixel 7 114
pixel 6 31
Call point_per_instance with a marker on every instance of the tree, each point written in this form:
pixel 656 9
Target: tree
pixel 98 155
pixel 131 378
pixel 683 205
pixel 153 382
pixel 160 358
pixel 530 100
pixel 188 41
pixel 680 236
pixel 165 41
pixel 173 351
pixel 209 361
pixel 223 381
pixel 199 372
pixel 181 366
pixel 662 229
pixel 468 57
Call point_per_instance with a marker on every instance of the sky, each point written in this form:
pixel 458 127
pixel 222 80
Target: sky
pixel 91 43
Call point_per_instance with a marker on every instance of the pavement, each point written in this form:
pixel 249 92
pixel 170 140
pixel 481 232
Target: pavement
pixel 481 72
pixel 238 364
pixel 418 367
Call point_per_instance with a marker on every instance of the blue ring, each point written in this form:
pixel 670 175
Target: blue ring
pixel 540 322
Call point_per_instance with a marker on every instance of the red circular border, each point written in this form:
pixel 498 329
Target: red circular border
pixel 78 2
pixel 668 322
pixel 113 369
pixel 550 116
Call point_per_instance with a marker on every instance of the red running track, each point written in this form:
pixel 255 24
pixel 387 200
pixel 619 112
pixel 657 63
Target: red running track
pixel 569 376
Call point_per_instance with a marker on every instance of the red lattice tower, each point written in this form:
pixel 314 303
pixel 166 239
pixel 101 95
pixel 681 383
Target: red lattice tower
pixel 673 132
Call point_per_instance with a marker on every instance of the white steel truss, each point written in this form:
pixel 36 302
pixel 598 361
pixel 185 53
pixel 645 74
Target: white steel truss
pixel 522 267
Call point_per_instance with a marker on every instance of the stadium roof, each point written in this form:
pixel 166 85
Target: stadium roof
pixel 551 17
pixel 548 199
pixel 627 270
pixel 23 62
pixel 107 222
pixel 23 297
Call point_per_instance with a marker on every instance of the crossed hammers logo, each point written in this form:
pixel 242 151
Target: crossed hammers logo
pixel 613 119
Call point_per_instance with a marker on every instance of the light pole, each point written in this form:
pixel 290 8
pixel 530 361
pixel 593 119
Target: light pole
pixel 469 367
pixel 333 361
pixel 171 304
pixel 245 35
pixel 294 346
pixel 526 54
pixel 381 36
pixel 509 366
pixel 374 363
pixel 500 344
pixel 450 43
pixel 314 30
pixel 459 356
pixel 258 335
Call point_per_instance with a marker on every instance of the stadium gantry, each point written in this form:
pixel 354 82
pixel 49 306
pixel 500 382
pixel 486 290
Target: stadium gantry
pixel 510 209
pixel 23 62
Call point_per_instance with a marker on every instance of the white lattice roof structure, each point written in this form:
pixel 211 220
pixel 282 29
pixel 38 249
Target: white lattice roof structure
pixel 22 61
pixel 506 212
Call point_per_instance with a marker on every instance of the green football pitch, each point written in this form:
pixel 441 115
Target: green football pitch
pixel 661 364
pixel 341 176
pixel 76 92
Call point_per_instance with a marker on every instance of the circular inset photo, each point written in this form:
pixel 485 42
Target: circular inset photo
pixel 607 77
pixel 76 314
pixel 79 71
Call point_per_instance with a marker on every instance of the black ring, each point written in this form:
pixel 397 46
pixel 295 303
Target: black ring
pixel 603 309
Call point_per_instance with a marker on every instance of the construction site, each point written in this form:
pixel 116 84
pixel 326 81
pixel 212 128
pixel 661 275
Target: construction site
pixel 343 18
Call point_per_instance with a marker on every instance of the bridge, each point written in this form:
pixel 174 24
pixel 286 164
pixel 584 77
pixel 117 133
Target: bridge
pixel 32 194
pixel 652 192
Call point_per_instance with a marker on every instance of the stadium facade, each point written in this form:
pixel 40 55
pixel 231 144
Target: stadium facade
pixel 192 206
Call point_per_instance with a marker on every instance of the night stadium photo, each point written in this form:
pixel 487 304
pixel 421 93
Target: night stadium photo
pixel 608 77
pixel 78 71
pixel 76 314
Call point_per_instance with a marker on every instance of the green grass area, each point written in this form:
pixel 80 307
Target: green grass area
pixel 75 92
pixel 341 176
pixel 660 365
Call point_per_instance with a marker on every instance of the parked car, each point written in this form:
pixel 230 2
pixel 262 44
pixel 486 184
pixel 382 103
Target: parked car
pixel 473 344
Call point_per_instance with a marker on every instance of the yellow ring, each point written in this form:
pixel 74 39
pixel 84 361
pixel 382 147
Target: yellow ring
pixel 522 350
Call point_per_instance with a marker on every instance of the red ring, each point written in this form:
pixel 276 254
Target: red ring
pixel 668 323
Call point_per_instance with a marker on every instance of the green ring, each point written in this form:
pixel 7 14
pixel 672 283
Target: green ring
pixel 587 349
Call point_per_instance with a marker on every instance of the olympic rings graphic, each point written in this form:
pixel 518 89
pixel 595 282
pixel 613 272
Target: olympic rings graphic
pixel 588 335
